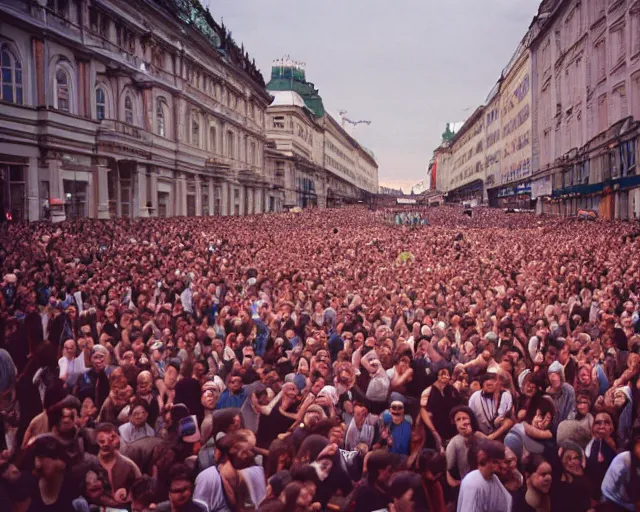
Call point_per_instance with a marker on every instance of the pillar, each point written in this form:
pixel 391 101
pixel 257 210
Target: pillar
pixel 243 193
pixel 153 191
pixel 198 195
pixel 212 192
pixel 33 199
pixel 102 182
pixel 181 195
pixel 39 60
pixel 56 191
pixel 225 198
pixel 141 192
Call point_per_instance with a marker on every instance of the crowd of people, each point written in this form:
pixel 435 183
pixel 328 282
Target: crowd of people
pixel 296 362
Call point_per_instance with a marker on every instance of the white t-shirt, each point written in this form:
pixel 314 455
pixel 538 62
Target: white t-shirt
pixel 482 495
pixel 72 369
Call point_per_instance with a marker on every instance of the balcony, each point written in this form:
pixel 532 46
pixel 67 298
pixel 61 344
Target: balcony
pixel 129 130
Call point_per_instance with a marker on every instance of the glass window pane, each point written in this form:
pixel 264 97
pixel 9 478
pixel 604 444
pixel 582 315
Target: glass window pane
pixel 18 76
pixel 19 95
pixel 7 92
pixel 6 59
pixel 7 75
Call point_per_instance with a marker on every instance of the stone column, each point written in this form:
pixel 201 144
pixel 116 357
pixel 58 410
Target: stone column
pixel 39 64
pixel 141 192
pixel 56 191
pixel 257 197
pixel 153 189
pixel 198 195
pixel 102 182
pixel 224 208
pixel 181 195
pixel 212 191
pixel 243 193
pixel 33 199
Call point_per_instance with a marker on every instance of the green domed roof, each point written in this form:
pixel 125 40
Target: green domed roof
pixel 289 77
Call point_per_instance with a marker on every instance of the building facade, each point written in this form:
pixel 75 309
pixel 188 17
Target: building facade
pixel 466 175
pixel 137 109
pixel 586 61
pixel 569 115
pixel 320 163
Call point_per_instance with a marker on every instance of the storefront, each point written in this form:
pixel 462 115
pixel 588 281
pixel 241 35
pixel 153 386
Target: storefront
pixel 513 196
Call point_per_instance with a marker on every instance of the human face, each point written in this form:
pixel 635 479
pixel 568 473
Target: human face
pixel 555 380
pixel 530 388
pixel 139 416
pixel 144 385
pixel 303 367
pixel 602 426
pixel 170 377
pixel 541 421
pixel 463 423
pixel 489 385
pixel 336 435
pixel 444 377
pixel 67 421
pixel 93 485
pixel 210 398
pixel 97 361
pixel 235 384
pixel 180 493
pixel 47 468
pixel 69 349
pixel 582 406
pixel 397 411
pixel 572 462
pixel 541 479
pixel 619 399
pixel 105 442
pixel 305 497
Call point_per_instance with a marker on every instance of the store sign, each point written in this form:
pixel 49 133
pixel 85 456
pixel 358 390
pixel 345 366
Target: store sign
pixel 402 200
pixel 541 187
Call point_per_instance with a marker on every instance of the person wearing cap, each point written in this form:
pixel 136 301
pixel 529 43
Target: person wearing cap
pixel 396 430
pixel 94 382
pixel 481 490
pixel 562 393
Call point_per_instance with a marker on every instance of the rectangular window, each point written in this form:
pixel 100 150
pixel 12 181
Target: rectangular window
pixel 278 122
pixel 635 32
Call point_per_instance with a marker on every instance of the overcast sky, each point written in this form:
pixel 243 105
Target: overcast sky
pixel 408 66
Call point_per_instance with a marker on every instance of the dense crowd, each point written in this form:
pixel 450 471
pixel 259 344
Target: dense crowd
pixel 326 360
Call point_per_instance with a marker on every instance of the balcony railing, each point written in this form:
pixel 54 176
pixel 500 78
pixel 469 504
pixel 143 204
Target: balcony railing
pixel 112 125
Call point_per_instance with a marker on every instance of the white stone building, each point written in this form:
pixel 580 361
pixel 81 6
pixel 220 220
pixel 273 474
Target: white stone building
pixel 140 108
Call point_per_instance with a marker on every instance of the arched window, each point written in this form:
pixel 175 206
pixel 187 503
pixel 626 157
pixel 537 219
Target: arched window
pixel 195 129
pixel 230 144
pixel 212 139
pixel 100 104
pixel 11 77
pixel 62 90
pixel 128 110
pixel 160 121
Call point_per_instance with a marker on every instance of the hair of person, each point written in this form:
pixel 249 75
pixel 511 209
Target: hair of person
pixel 277 448
pixel 402 481
pixel 376 462
pixel 227 442
pixel 467 410
pixel 311 447
pixel 107 428
pixel 54 413
pixel 304 473
pixel 490 450
pixel 324 426
pixel 232 374
pixel 143 491
pixel 546 406
pixel 432 461
pixel 138 402
pixel 534 462
pixel 180 472
pixel 290 495
pixel 224 419
pixel 488 376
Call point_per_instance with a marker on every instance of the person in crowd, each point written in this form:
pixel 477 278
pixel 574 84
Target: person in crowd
pixel 458 460
pixel 481 489
pixel 180 493
pixel 534 497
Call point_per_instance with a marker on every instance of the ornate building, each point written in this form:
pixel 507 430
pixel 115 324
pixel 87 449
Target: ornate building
pixel 318 162
pixel 140 108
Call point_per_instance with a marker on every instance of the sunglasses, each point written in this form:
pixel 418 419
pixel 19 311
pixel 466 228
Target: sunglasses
pixel 396 408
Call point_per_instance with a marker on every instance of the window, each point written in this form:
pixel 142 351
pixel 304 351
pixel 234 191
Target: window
pixel 252 154
pixel 618 46
pixel 278 122
pixel 62 90
pixel 635 32
pixel 230 145
pixel 212 139
pixel 195 129
pixel 128 110
pixel 100 104
pixel 11 76
pixel 160 126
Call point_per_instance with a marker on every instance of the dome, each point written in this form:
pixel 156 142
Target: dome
pixel 287 98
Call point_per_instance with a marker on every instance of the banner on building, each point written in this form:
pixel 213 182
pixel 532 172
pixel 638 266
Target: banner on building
pixel 402 200
pixel 541 187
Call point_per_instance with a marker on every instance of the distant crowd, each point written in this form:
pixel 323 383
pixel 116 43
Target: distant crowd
pixel 327 360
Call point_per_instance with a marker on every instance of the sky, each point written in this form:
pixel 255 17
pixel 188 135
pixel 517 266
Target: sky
pixel 408 66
